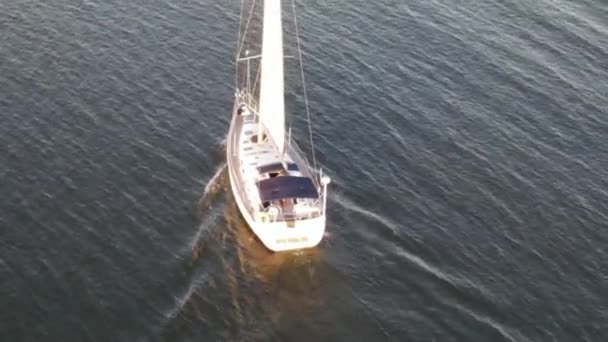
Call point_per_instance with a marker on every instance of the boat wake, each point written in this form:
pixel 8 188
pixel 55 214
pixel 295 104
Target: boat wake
pixel 201 245
pixel 214 186
pixel 227 255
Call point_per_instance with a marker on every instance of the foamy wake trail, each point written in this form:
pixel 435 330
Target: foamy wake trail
pixel 212 188
pixel 213 184
pixel 347 204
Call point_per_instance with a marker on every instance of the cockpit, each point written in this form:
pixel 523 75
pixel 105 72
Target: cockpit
pixel 285 193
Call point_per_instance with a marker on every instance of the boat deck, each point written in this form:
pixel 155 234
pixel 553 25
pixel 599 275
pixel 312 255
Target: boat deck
pixel 246 156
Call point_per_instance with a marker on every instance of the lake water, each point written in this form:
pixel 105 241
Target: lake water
pixel 467 142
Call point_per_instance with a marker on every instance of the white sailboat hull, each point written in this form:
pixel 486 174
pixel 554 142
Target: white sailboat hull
pixel 244 158
pixel 278 236
pixel 279 195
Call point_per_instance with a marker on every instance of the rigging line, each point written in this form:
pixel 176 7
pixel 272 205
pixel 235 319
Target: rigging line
pixel 242 43
pixel 238 41
pixel 312 146
pixel 257 79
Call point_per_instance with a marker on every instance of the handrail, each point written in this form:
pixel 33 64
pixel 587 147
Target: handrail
pixel 294 217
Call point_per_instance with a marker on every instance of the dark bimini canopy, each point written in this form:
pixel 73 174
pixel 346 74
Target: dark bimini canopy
pixel 286 187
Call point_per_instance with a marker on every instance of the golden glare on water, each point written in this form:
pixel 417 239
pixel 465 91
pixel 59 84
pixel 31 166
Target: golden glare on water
pixel 250 280
pixel 252 254
pixel 290 282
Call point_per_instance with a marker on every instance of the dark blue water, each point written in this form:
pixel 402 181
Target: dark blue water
pixel 467 142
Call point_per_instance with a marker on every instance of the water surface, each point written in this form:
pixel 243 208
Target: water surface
pixel 466 141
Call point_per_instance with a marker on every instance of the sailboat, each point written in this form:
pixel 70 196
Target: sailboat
pixel 279 194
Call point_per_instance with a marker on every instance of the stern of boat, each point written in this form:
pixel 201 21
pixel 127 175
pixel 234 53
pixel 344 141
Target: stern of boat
pixel 291 235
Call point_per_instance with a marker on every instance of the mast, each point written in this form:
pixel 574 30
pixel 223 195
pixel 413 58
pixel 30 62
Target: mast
pixel 272 98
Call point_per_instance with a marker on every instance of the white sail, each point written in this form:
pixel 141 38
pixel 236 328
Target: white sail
pixel 272 100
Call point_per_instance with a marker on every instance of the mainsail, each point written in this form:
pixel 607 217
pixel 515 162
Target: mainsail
pixel 272 99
